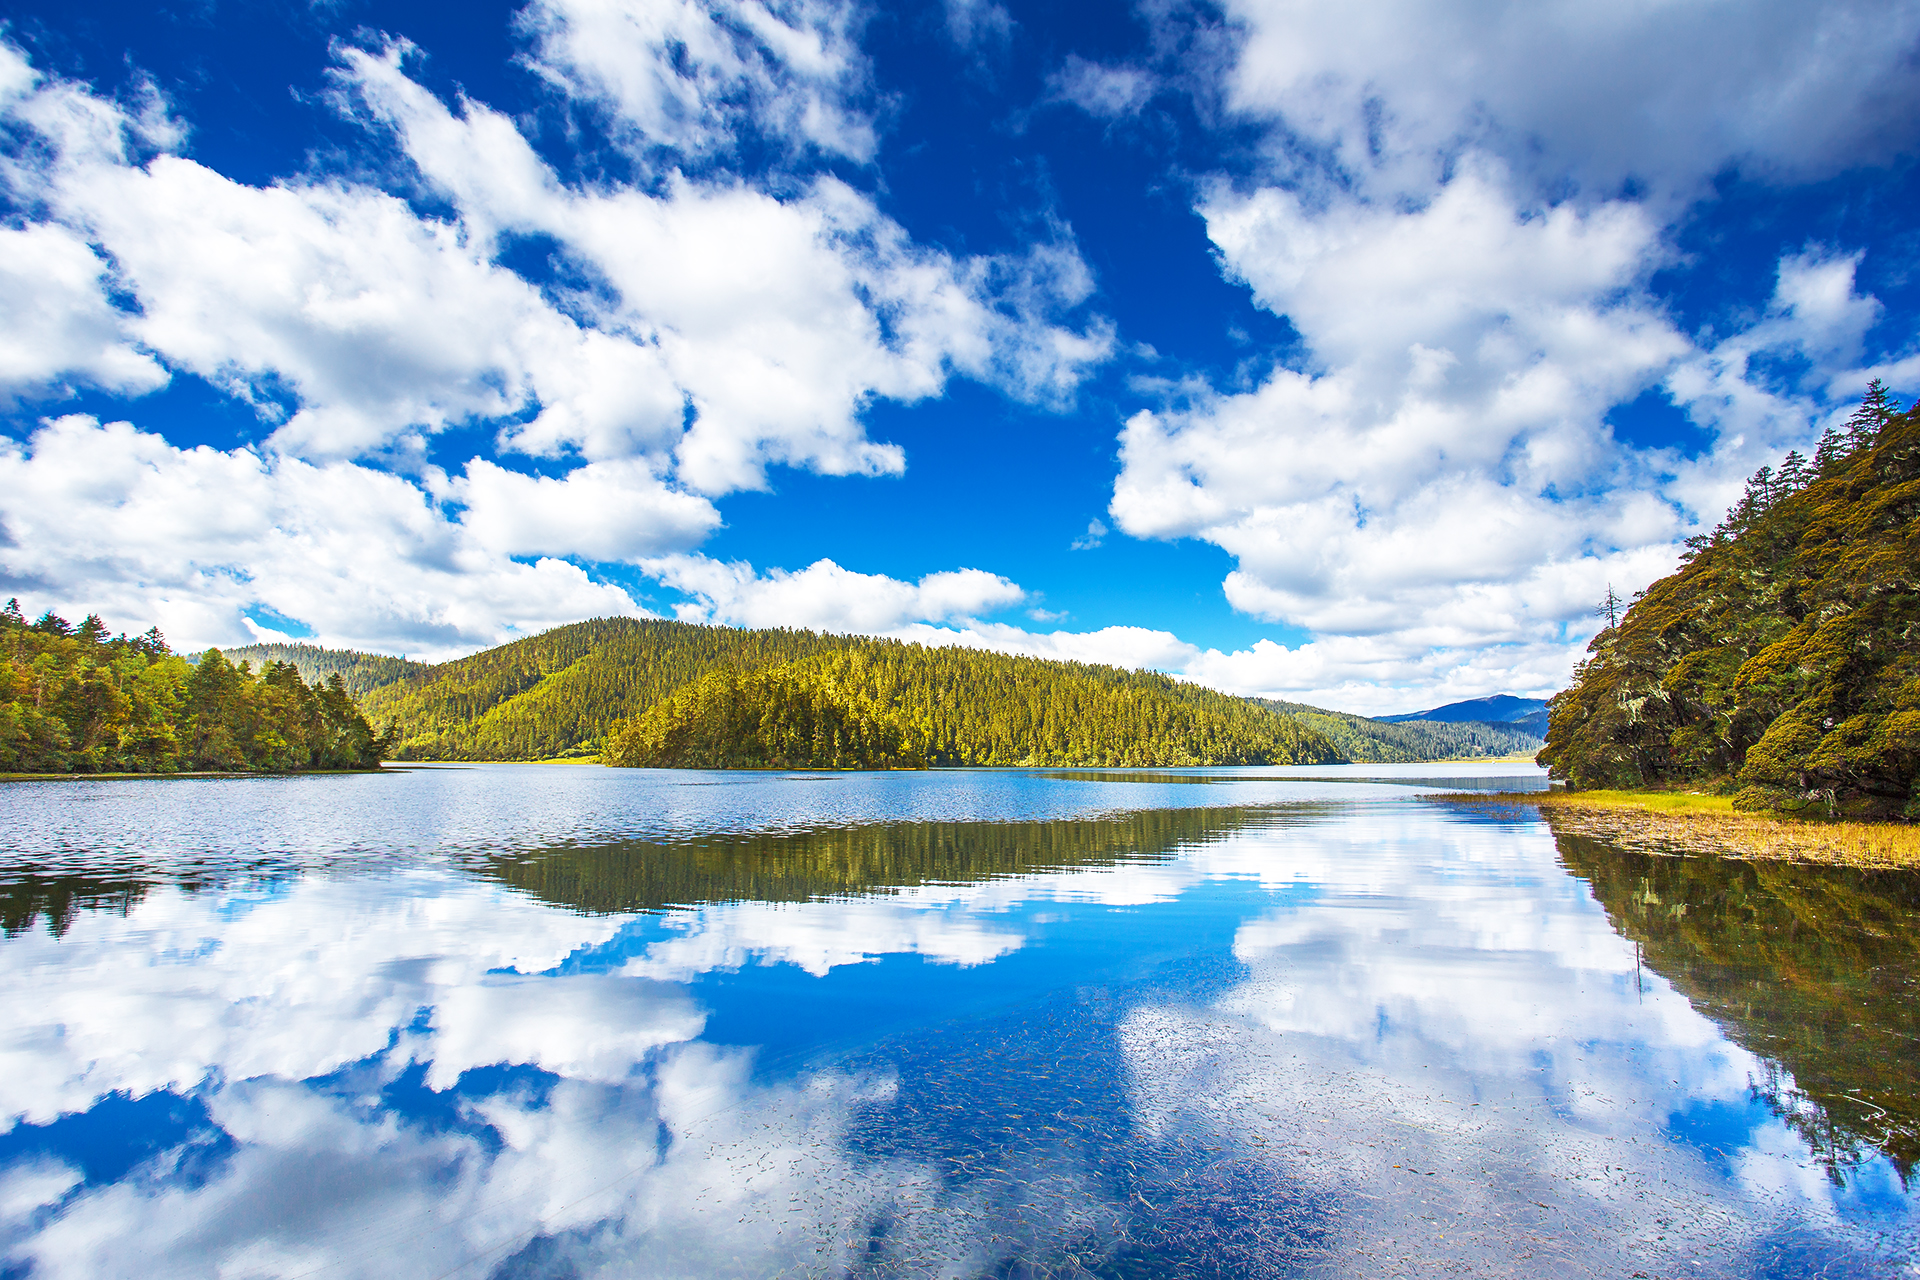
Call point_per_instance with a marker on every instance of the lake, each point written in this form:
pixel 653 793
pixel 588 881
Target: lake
pixel 550 1021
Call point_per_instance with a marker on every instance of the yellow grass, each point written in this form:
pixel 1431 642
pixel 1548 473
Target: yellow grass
pixel 1685 823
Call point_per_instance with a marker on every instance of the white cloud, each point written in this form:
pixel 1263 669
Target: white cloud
pixel 1096 534
pixel 826 597
pixel 777 319
pixel 1463 210
pixel 56 324
pixel 726 330
pixel 692 75
pixel 1435 492
pixel 1108 92
pixel 113 520
pixel 1443 479
pixel 1130 648
pixel 1394 90
pixel 616 510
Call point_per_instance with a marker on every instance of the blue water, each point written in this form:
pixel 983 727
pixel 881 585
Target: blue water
pixel 567 1021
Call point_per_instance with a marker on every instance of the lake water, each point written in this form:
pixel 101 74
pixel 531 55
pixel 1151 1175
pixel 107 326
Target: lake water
pixel 538 1021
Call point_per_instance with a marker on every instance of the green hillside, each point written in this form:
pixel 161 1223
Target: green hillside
pixel 559 692
pixel 1366 741
pixel 1784 656
pixel 565 691
pixel 360 672
pixel 882 703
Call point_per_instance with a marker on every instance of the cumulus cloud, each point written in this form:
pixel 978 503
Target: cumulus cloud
pixel 1435 491
pixel 1445 476
pixel 606 511
pixel 773 320
pixel 56 324
pixel 111 519
pixel 695 76
pixel 718 329
pixel 826 597
pixel 1460 215
pixel 1394 90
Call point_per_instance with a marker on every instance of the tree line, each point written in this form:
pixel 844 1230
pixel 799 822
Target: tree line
pixel 77 700
pixel 1782 660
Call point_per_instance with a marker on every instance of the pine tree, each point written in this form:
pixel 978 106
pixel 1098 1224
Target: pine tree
pixel 1877 408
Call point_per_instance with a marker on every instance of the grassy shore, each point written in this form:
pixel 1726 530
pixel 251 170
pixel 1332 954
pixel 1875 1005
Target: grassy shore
pixel 1685 823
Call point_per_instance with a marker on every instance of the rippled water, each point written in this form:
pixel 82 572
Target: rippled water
pixel 563 1021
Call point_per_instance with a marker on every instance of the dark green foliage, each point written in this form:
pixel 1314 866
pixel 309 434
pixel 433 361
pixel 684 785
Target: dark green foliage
pixel 1784 654
pixel 362 672
pixel 889 704
pixel 73 700
pixel 1367 741
pixel 787 717
pixel 567 690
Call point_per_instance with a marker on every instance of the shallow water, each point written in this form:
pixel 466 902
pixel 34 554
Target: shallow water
pixel 565 1021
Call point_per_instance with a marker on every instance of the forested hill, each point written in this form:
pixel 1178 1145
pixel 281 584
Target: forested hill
pixel 884 704
pixel 559 692
pixel 1783 658
pixel 79 700
pixel 564 692
pixel 1367 741
pixel 360 672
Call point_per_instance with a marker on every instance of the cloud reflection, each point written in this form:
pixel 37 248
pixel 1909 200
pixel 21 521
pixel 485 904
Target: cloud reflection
pixel 1420 1045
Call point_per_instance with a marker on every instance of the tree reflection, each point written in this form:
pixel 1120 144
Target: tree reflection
pixel 1814 969
pixel 828 862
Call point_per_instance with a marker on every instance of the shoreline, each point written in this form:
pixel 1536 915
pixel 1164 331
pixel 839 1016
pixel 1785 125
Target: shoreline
pixel 184 773
pixel 1683 824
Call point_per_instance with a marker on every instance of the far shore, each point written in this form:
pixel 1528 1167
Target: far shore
pixel 1687 823
pixel 181 773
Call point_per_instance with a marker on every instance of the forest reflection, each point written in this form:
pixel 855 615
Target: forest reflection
pixel 28 896
pixel 1813 969
pixel 834 862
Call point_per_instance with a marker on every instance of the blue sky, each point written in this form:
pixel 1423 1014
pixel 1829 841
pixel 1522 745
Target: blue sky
pixel 1344 353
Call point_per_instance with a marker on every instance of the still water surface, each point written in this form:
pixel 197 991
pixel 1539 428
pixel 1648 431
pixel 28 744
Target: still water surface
pixel 527 1021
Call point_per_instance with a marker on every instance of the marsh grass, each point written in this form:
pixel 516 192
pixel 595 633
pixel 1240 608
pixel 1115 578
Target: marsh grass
pixel 1679 822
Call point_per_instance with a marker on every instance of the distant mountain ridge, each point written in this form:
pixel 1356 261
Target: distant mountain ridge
pixel 1380 741
pixel 1527 714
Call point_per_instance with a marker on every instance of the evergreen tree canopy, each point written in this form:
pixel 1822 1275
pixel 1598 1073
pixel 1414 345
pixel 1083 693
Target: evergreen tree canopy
pixel 361 672
pixel 788 717
pixel 1784 654
pixel 889 704
pixel 73 700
